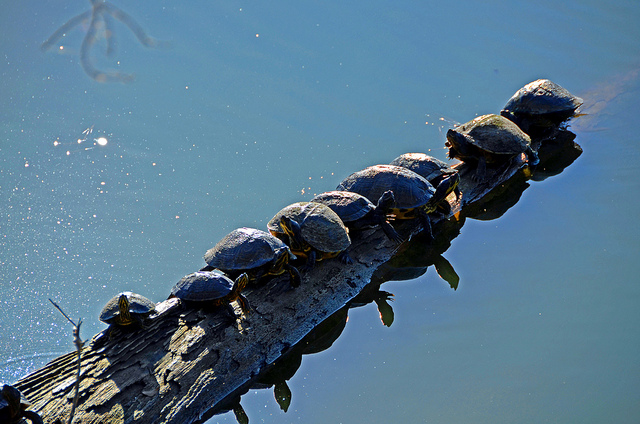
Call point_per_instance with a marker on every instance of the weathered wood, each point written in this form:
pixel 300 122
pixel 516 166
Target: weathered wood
pixel 187 361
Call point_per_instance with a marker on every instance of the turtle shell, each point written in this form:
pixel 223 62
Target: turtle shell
pixel 243 249
pixel 428 167
pixel 490 133
pixel 409 189
pixel 138 305
pixel 320 227
pixel 542 97
pixel 203 286
pixel 347 205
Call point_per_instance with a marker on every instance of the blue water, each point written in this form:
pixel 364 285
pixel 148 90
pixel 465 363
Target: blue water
pixel 256 106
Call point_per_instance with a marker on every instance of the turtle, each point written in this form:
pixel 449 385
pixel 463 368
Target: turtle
pixel 414 195
pixel 432 169
pixel 312 230
pixel 127 309
pixel 253 251
pixel 13 407
pixel 489 139
pixel 357 212
pixel 212 288
pixel 542 97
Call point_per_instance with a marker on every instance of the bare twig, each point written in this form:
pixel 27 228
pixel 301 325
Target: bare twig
pixel 79 344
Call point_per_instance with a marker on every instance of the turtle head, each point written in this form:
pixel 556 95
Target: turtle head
pixel 459 145
pixel 386 201
pixel 446 186
pixel 240 283
pixel 124 318
pixel 282 257
pixel 292 229
pixel 236 292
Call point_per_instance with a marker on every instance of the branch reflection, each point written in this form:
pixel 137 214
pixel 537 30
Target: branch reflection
pixel 100 19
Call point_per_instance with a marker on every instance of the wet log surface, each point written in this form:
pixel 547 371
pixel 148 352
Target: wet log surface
pixel 188 362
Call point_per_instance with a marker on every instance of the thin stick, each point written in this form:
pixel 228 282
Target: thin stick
pixel 79 344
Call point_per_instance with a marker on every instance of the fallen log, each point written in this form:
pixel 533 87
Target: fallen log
pixel 186 364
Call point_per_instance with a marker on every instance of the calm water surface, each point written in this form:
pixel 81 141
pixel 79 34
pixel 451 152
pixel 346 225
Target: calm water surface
pixel 256 106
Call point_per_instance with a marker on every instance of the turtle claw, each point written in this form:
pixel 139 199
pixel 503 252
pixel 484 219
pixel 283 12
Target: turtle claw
pixel 391 232
pixel 345 258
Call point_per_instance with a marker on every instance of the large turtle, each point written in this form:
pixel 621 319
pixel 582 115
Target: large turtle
pixel 542 97
pixel 357 212
pixel 212 288
pixel 432 169
pixel 253 251
pixel 13 407
pixel 489 139
pixel 126 309
pixel 414 195
pixel 312 230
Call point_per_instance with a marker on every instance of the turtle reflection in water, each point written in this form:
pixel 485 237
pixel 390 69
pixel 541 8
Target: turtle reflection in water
pixel 489 139
pixel 13 407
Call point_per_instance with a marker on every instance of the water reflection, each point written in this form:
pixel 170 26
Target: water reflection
pixel 479 200
pixel 100 17
pixel 557 150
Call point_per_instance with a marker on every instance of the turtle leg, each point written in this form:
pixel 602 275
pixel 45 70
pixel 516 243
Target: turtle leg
pixel 444 208
pixel 138 322
pixel 385 203
pixel 532 155
pixel 345 258
pixel 230 312
pixel 311 260
pixel 244 303
pixel 481 170
pixel 458 192
pixel 294 275
pixel 390 231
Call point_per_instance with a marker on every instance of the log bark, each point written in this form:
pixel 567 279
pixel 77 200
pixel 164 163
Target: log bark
pixel 187 362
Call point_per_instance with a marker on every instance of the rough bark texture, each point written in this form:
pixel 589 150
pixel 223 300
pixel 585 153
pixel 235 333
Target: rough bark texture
pixel 188 361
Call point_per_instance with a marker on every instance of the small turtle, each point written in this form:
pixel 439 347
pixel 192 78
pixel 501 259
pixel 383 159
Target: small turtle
pixel 542 97
pixel 127 308
pixel 414 195
pixel 357 212
pixel 312 230
pixel 489 139
pixel 255 252
pixel 13 407
pixel 212 288
pixel 432 169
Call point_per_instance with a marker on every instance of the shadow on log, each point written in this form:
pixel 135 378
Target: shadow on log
pixel 188 364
